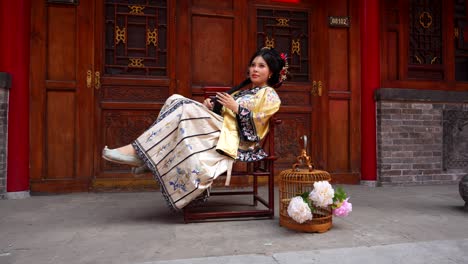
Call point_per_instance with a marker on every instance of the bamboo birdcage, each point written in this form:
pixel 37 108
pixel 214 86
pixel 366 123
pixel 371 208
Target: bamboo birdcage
pixel 294 182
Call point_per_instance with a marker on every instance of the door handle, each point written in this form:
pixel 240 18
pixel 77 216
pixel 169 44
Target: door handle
pixel 320 86
pixel 89 78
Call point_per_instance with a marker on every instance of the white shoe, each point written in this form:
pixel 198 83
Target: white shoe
pixel 114 155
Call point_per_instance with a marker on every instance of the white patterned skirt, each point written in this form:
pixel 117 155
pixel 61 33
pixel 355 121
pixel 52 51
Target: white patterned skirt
pixel 180 150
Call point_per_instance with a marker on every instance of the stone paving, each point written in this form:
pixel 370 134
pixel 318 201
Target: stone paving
pixel 387 225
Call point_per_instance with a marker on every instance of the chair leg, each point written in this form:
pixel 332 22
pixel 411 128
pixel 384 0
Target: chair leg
pixel 271 188
pixel 255 188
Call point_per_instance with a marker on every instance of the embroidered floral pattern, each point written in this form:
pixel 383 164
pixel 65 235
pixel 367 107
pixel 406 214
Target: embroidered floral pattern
pixel 251 155
pixel 246 125
pixel 165 112
pixel 245 116
pixel 168 162
pixel 260 118
pixel 162 149
pixel 272 98
pixel 178 186
pixel 243 93
pixel 245 98
pixel 247 101
pixel 152 135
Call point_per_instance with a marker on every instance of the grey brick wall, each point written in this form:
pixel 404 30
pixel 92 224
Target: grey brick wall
pixel 3 139
pixel 410 143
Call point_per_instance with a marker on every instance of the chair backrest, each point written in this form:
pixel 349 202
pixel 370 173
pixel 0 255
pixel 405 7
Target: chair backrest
pixel 268 143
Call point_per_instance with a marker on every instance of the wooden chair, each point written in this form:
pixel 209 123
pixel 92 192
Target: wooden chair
pixel 263 168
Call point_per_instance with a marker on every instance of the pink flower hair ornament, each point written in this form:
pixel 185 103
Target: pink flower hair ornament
pixel 283 74
pixel 284 71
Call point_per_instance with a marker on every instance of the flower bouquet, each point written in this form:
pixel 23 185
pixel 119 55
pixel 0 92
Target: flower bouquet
pixel 308 201
pixel 302 207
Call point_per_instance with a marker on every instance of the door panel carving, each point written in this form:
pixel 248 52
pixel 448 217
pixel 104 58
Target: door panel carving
pixel 286 31
pixel 287 145
pixel 295 97
pixel 135 94
pixel 121 128
pixel 136 38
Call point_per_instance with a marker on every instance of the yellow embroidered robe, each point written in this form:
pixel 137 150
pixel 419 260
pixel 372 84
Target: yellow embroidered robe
pixel 242 132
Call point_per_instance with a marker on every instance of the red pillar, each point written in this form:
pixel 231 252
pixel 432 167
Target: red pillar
pixel 370 79
pixel 15 29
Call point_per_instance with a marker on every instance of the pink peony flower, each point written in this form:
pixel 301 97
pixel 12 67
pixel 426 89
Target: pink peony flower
pixel 344 209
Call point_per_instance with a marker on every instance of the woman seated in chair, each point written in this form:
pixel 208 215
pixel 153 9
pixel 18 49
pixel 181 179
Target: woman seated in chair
pixel 192 143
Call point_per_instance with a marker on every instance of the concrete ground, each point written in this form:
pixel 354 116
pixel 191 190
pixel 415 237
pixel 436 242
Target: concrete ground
pixel 418 224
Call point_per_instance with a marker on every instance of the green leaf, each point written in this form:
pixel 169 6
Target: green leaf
pixel 312 208
pixel 340 195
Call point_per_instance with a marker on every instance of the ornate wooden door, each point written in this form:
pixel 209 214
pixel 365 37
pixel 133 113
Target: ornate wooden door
pixel 322 98
pixel 134 74
pixel 295 30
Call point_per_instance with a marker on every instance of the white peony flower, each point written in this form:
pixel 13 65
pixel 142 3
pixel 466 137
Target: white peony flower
pixel 322 194
pixel 299 210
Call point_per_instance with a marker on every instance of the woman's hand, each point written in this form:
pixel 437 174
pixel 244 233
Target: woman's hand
pixel 228 101
pixel 208 103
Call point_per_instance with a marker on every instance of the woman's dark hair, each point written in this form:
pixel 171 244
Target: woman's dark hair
pixel 275 64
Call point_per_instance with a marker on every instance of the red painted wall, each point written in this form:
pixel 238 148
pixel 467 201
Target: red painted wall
pixel 15 17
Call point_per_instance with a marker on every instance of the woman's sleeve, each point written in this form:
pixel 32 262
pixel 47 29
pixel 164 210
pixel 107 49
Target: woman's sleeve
pixel 253 122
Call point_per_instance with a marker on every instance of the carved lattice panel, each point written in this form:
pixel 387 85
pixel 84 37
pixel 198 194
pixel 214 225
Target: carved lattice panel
pixel 461 40
pixel 425 39
pixel 287 138
pixel 136 37
pixel 286 31
pixel 135 94
pixel 121 128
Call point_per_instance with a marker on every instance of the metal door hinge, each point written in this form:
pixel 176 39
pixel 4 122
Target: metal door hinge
pixel 317 88
pixel 97 80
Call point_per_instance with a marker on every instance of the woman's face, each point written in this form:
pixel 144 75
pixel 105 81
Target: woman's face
pixel 259 72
